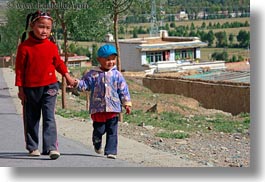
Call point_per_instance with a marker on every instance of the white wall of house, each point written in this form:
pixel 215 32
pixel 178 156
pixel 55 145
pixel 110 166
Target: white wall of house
pixel 172 55
pixel 143 58
pixel 134 57
pixel 198 53
pixel 131 57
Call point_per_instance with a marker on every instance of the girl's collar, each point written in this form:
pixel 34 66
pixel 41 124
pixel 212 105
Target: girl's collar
pixel 32 37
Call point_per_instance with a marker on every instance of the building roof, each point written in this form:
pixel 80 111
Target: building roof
pixel 164 42
pixel 76 58
pixel 171 45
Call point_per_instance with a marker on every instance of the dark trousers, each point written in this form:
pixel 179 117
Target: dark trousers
pixel 110 127
pixel 40 100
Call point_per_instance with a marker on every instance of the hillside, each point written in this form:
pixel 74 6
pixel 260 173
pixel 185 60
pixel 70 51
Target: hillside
pixel 211 140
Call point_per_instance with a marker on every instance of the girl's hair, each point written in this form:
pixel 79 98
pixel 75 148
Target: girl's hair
pixel 31 18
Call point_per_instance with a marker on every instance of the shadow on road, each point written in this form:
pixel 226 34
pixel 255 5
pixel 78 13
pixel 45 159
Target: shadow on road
pixel 23 155
pixel 19 155
pixel 84 155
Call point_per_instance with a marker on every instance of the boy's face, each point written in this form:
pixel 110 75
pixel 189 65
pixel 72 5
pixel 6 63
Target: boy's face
pixel 42 28
pixel 107 63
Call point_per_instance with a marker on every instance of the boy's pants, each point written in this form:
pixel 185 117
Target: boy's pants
pixel 40 99
pixel 110 127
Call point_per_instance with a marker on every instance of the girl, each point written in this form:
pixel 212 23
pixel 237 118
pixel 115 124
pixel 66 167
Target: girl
pixel 36 61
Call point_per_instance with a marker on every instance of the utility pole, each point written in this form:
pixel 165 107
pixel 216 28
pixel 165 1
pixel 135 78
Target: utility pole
pixel 154 26
pixel 162 14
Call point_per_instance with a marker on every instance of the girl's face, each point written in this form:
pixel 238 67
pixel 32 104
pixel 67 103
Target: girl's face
pixel 107 63
pixel 42 28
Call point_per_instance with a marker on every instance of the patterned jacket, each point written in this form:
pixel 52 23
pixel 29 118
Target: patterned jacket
pixel 109 90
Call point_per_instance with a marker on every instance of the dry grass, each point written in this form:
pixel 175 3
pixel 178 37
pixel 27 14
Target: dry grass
pixel 206 52
pixel 195 22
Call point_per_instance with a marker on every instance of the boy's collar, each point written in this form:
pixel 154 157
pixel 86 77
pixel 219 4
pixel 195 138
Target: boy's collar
pixel 98 68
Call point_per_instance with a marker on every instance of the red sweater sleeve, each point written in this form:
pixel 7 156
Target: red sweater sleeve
pixel 36 63
pixel 58 63
pixel 20 66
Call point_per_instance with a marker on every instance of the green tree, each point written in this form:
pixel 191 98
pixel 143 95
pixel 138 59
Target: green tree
pixel 94 55
pixel 89 24
pixel 203 26
pixel 210 38
pixel 88 21
pixel 234 58
pixel 220 56
pixel 78 24
pixel 210 25
pixel 135 32
pixel 172 25
pixel 72 48
pixel 192 26
pixel 12 31
pixel 243 38
pixel 231 39
pixel 117 7
pixel 60 14
pixel 221 39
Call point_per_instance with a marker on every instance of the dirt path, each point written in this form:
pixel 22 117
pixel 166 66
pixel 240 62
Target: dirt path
pixel 130 150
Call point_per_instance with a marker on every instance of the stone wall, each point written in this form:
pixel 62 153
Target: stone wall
pixel 226 96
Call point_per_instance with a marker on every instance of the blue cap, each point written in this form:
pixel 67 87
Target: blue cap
pixel 106 50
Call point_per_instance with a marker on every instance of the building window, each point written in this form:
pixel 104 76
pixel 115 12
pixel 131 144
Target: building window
pixel 149 57
pixel 190 54
pixel 178 55
pixel 184 54
pixel 74 64
pixel 153 57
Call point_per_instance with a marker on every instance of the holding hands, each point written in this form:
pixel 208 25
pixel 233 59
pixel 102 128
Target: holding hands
pixel 69 80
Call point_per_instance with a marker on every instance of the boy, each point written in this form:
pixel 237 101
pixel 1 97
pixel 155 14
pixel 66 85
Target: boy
pixel 109 92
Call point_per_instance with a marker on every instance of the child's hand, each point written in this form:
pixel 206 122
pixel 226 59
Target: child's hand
pixel 21 95
pixel 69 80
pixel 76 83
pixel 128 109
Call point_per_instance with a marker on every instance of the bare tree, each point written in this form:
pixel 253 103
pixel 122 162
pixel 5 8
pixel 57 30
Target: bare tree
pixel 78 24
pixel 119 6
pixel 60 16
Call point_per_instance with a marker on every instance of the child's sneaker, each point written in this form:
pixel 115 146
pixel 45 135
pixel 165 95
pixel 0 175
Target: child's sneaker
pixel 34 153
pixel 54 154
pixel 98 151
pixel 111 156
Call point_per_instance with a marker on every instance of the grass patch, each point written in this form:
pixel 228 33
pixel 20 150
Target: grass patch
pixel 173 135
pixel 222 123
pixel 172 122
pixel 177 126
pixel 72 114
pixel 206 52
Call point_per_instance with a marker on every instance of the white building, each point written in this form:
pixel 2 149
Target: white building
pixel 182 15
pixel 140 54
pixel 77 61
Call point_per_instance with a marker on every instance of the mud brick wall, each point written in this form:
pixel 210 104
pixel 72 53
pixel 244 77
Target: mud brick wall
pixel 226 96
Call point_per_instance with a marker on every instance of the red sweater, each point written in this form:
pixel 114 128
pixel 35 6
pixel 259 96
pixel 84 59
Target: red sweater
pixel 36 63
